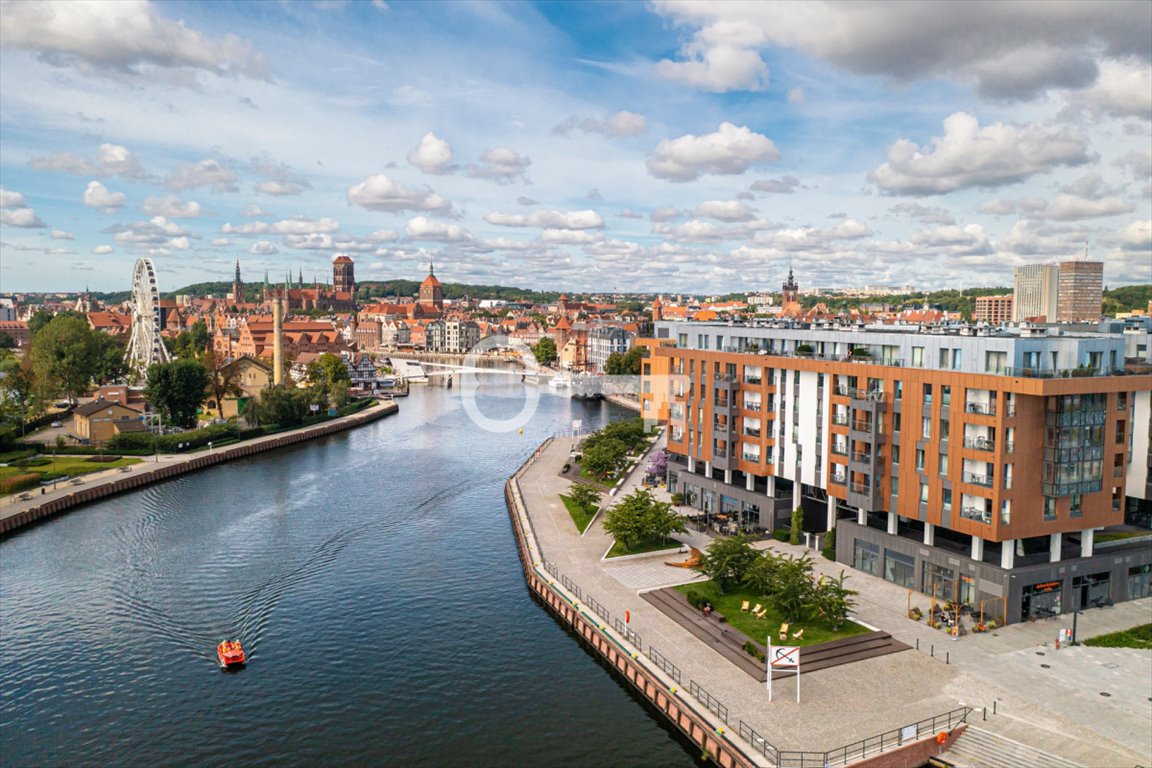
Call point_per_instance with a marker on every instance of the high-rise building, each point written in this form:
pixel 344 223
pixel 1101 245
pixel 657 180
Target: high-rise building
pixel 970 464
pixel 431 292
pixel 994 310
pixel 1036 292
pixel 237 286
pixel 1081 291
pixel 343 275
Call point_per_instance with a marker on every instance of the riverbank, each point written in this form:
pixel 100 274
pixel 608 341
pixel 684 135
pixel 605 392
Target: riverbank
pixel 998 671
pixel 19 510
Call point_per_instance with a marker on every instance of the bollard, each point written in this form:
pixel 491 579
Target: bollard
pixel 993 706
pixel 917 643
pixel 948 657
pixel 933 647
pixel 985 714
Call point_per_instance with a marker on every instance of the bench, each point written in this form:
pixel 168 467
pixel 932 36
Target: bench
pixel 125 469
pixel 24 497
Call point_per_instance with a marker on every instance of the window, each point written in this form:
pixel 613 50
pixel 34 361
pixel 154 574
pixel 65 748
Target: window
pixel 917 357
pixel 945 429
pixel 947 499
pixel 927 426
pixel 899 390
pixel 896 422
pixel 1139 582
pixel 919 459
pixel 1120 428
pixel 943 464
pixel 938 581
pixel 927 394
pixel 946 395
pixel 957 358
pixel 895 486
pixel 866 557
pixel 923 493
pixel 895 454
pixel 899 568
pixel 1005 512
pixel 1049 508
pixel 1076 511
pixel 1122 401
pixel 943 358
pixel 994 362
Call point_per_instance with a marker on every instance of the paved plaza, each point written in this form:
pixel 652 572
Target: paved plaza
pixel 1056 709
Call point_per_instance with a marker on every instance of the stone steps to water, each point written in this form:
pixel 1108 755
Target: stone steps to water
pixel 978 748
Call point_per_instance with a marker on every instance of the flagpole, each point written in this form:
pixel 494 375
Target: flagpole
pixel 768 666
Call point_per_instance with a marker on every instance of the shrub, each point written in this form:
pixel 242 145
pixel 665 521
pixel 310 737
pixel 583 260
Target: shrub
pixel 17 483
pixel 803 349
pixel 797 526
pixel 695 599
pixel 781 534
pixel 33 462
pixel 751 649
pixel 829 550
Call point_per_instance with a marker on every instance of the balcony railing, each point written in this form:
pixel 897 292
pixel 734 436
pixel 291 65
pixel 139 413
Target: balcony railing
pixel 980 443
pixel 750 432
pixel 839 479
pixel 750 406
pixel 839 450
pixel 751 457
pixel 866 457
pixel 719 454
pixel 1062 373
pixel 873 395
pixel 975 513
pixel 863 488
pixel 986 409
pixel 862 426
pixel 677 437
pixel 752 380
pixel 984 480
pixel 840 420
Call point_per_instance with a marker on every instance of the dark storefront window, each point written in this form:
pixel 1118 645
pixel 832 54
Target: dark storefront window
pixel 1092 591
pixel 899 569
pixel 866 557
pixel 1139 582
pixel 938 577
pixel 1041 600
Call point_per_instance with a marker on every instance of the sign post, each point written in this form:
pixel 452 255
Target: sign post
pixel 780 657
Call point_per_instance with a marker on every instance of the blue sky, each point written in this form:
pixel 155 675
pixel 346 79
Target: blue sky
pixel 665 146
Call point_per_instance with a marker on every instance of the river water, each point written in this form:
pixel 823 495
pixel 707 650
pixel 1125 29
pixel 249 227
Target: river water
pixel 372 577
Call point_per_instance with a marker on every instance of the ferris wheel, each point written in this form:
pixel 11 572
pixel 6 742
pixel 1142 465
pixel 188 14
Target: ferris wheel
pixel 145 347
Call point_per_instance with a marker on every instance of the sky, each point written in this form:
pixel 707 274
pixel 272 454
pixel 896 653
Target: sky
pixel 698 146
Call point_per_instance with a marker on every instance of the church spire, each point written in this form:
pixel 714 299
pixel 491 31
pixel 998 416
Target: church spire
pixel 431 271
pixel 237 269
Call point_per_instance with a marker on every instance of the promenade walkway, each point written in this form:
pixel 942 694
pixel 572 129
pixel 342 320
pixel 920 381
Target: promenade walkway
pixel 158 467
pixel 1057 708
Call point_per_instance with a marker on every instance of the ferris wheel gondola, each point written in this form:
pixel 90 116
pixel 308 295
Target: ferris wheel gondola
pixel 146 346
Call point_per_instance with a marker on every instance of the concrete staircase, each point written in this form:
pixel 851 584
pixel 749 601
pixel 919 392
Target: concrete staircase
pixel 981 749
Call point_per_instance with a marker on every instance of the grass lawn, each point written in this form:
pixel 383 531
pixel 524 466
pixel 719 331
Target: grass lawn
pixel 1137 637
pixel 63 465
pixel 586 475
pixel 652 545
pixel 816 630
pixel 1118 535
pixel 577 513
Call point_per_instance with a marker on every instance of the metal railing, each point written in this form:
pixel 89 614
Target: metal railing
pixel 863 488
pixel 975 513
pixel 755 380
pixel 598 608
pixel 865 457
pixel 839 479
pixel 759 743
pixel 840 420
pixel 751 432
pixel 859 750
pixel 839 450
pixel 708 700
pixel 661 661
pixel 980 443
pixel 985 480
pixel 862 426
pixel 1062 373
pixel 571 586
pixel 750 406
pixel 628 634
pixel 985 409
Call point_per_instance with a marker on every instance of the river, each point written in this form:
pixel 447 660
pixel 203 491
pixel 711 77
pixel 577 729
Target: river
pixel 372 577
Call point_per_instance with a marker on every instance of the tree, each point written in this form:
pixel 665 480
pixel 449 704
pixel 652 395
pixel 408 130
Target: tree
pixel 791 588
pixel 797 528
pixel 282 405
pixel 639 518
pixel 545 351
pixel 190 343
pixel 223 380
pixel 6 340
pixel 176 390
pixel 327 371
pixel 602 458
pixel 585 496
pixel 64 357
pixel 829 550
pixel 110 363
pixel 727 561
pixel 833 600
pixel 16 390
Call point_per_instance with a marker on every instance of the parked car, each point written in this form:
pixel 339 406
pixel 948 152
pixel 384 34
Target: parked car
pixel 57 424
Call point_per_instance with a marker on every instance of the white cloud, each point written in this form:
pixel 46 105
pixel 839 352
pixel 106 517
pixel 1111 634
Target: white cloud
pixel 1137 236
pixel 24 218
pixel 98 196
pixel 181 243
pixel 501 165
pixel 569 236
pixel 380 193
pixel 1074 208
pixel 11 199
pixel 970 156
pixel 720 57
pixel 297 225
pixel 126 36
pixel 725 210
pixel 1124 89
pixel 785 185
pixel 171 207
pixel 263 248
pixel 730 150
pixel 586 219
pixel 59 234
pixel 221 242
pixel 621 124
pixel 432 155
pixel 278 178
pixel 423 228
pixel 910 40
pixel 666 213
pixel 796 96
pixel 111 160
pixel 255 211
pixel 280 188
pixel 205 173
pixel 102 249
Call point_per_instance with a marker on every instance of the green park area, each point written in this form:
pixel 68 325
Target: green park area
pixel 758 591
pixel 604 454
pixel 640 523
pixel 26 472
pixel 582 503
pixel 1137 637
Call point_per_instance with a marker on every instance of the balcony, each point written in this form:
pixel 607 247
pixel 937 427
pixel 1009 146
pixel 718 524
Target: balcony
pixel 840 421
pixel 985 480
pixel 864 457
pixel 752 458
pixel 752 406
pixel 977 514
pixel 718 453
pixel 839 450
pixel 839 479
pixel 752 380
pixel 984 409
pixel 980 443
pixel 750 432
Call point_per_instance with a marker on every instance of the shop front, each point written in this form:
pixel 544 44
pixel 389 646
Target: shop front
pixel 1039 601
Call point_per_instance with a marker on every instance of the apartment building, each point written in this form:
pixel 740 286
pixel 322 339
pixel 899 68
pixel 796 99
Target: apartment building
pixel 973 464
pixel 994 310
pixel 1036 291
pixel 1081 291
pixel 605 340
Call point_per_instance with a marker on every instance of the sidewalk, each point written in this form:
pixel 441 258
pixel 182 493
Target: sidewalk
pixel 857 701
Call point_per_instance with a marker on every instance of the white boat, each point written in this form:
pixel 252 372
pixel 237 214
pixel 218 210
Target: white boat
pixel 560 381
pixel 410 370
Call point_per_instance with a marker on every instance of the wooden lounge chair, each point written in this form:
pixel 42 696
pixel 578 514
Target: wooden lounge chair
pixel 744 606
pixel 757 609
pixel 798 635
pixel 760 613
pixel 783 632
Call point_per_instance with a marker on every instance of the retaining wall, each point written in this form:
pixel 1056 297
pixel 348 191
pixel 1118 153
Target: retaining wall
pixel 141 476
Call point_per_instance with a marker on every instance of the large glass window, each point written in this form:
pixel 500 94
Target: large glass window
pixel 1139 582
pixel 899 568
pixel 866 557
pixel 938 581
